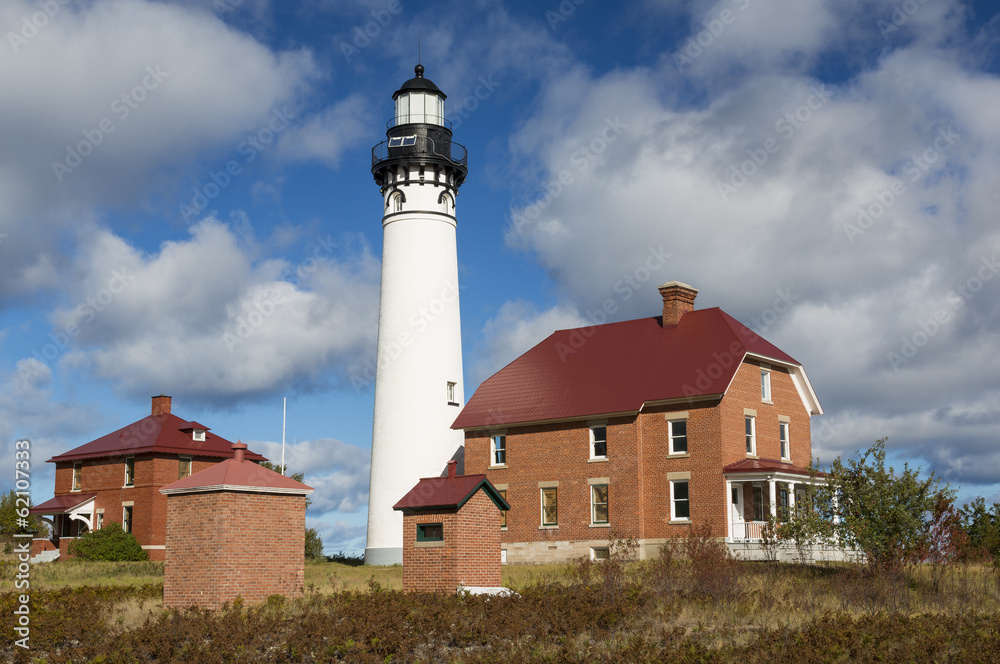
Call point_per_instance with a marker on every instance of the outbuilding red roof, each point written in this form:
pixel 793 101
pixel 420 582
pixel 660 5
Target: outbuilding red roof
pixel 767 466
pixel 62 504
pixel 237 474
pixel 439 493
pixel 617 367
pixel 155 433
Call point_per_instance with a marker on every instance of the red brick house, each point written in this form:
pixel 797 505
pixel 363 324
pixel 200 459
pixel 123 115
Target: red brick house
pixel 117 478
pixel 450 535
pixel 642 428
pixel 234 529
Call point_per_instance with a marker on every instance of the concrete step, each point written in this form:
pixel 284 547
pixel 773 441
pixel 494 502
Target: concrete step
pixel 45 557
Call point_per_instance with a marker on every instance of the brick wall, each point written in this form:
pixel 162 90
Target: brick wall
pixel 469 555
pixel 221 545
pixel 637 467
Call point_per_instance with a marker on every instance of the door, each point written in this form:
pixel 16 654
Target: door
pixel 736 504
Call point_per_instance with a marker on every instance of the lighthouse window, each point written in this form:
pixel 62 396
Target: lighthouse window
pixel 397 202
pixel 395 142
pixel 409 140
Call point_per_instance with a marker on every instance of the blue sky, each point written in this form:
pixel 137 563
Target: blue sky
pixel 186 207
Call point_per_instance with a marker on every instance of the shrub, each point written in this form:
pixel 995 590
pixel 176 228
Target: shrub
pixel 110 543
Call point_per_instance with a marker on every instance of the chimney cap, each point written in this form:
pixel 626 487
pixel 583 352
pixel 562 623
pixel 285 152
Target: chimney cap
pixel 678 284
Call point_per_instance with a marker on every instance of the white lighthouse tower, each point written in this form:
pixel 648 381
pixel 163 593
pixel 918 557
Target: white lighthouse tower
pixel 418 380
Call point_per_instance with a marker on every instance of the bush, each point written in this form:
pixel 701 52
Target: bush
pixel 110 543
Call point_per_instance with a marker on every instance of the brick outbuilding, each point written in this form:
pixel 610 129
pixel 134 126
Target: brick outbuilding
pixel 235 529
pixel 451 537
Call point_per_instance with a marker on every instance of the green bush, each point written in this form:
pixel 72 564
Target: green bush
pixel 110 543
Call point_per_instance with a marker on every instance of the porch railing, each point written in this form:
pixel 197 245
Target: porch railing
pixel 748 530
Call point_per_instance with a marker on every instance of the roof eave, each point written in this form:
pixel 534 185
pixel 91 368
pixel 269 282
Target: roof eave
pixel 236 487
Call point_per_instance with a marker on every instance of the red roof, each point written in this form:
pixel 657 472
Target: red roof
pixel 433 493
pixel 616 368
pixel 767 466
pixel 155 433
pixel 237 475
pixel 62 504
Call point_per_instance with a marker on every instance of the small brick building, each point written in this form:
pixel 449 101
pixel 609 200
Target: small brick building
pixel 642 428
pixel 235 529
pixel 117 477
pixel 451 537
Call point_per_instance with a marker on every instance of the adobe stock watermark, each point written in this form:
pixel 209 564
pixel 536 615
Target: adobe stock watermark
pixel 31 24
pixel 626 287
pixel 122 107
pixel 266 303
pixel 900 16
pixel 466 107
pixel 364 34
pixel 84 314
pixel 249 148
pixel 419 322
pixel 562 12
pixel 222 7
pixel 22 537
pixel 786 127
pixel 914 168
pixel 957 298
pixel 582 158
pixel 714 26
pixel 782 304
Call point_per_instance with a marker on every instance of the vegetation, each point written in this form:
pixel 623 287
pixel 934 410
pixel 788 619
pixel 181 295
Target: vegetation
pixel 314 545
pixel 111 544
pixel 12 510
pixel 694 603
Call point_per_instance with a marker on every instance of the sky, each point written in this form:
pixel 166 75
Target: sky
pixel 187 207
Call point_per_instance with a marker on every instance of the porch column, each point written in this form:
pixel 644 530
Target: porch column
pixel 729 508
pixel 791 497
pixel 773 497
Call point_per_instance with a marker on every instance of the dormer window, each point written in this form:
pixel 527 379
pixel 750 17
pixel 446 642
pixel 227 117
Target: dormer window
pixel 198 435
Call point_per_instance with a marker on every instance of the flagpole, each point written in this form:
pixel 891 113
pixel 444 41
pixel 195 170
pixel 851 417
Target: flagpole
pixel 284 410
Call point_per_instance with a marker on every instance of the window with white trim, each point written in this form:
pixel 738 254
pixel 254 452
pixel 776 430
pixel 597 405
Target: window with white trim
pixel 77 475
pixel 751 427
pixel 598 553
pixel 129 471
pixel 599 442
pixel 678 432
pixel 599 503
pixel 127 518
pixel 680 502
pixel 100 520
pixel 450 393
pixel 765 385
pixel 783 437
pixel 550 506
pixel 498 450
pixel 503 513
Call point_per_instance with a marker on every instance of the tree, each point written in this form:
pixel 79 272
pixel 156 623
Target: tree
pixel 982 527
pixel 889 516
pixel 110 543
pixel 314 545
pixel 11 511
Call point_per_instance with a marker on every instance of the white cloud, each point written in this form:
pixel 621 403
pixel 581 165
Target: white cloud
pixel 201 318
pixel 325 136
pixel 152 86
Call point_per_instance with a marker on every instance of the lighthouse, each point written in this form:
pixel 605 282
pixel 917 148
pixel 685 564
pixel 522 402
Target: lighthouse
pixel 418 379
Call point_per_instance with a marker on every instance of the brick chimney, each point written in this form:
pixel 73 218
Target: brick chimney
pixel 452 465
pixel 678 299
pixel 238 448
pixel 161 405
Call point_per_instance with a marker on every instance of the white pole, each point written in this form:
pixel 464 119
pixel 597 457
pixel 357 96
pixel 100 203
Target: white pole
pixel 284 410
